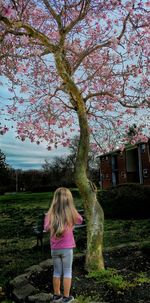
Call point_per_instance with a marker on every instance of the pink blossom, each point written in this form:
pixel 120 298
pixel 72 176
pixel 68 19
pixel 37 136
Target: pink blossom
pixel 8 11
pixel 32 100
pixel 129 111
pixel 24 89
pixel 119 122
pixel 147 3
pixel 12 110
pixel 3 130
pixel 110 107
pixel 24 40
pixel 21 68
pixel 21 101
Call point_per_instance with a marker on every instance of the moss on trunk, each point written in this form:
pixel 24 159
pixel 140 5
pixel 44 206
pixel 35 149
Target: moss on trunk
pixel 93 211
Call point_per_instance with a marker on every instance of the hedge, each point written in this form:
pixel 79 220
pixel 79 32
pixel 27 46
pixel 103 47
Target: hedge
pixel 128 201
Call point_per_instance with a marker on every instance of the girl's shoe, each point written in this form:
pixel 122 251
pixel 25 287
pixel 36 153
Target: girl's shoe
pixel 57 299
pixel 67 299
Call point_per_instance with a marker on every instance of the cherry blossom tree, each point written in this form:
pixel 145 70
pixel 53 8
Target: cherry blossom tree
pixel 74 65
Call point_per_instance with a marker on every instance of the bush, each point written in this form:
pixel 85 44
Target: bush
pixel 127 201
pixel 146 248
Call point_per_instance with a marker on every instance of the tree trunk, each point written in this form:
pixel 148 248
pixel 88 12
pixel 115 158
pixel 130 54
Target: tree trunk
pixel 93 211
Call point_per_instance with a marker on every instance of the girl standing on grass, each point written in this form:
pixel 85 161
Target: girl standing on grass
pixel 60 221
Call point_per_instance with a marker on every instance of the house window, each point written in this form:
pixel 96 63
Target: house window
pixel 123 174
pixel 145 173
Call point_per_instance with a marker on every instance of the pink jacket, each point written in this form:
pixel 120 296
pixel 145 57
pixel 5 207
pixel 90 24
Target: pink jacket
pixel 66 240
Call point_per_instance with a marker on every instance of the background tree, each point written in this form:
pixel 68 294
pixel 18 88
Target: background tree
pixel 5 173
pixel 79 63
pixel 3 165
pixel 60 171
pixel 3 169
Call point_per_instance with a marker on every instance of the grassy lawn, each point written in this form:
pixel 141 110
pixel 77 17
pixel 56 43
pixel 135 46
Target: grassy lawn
pixel 18 215
pixel 118 232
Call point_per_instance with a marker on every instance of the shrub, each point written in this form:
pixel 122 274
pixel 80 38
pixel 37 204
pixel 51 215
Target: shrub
pixel 146 248
pixel 128 201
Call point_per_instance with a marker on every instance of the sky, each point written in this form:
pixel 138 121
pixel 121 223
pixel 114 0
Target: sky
pixel 26 155
pixel 23 155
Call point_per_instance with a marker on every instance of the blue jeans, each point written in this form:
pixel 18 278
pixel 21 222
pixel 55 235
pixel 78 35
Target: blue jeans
pixel 62 262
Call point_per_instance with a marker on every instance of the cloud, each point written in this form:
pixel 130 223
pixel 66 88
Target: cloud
pixel 26 155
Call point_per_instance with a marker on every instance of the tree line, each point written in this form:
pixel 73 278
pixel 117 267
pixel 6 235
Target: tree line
pixel 58 172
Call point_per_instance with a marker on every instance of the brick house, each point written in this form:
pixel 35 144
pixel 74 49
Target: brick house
pixel 129 166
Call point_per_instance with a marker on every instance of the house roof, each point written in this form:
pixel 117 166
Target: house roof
pixel 128 146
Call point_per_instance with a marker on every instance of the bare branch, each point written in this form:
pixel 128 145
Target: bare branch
pixel 124 27
pixel 133 105
pixel 101 93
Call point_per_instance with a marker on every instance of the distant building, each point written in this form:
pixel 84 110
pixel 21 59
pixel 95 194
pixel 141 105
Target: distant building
pixel 132 165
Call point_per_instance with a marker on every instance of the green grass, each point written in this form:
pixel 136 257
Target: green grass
pixel 126 231
pixel 26 200
pixel 113 279
pixel 18 214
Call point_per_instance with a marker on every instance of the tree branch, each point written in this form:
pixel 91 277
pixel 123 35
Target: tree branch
pixel 105 44
pixel 124 27
pixel 134 105
pixel 101 93
pixel 30 31
pixel 88 52
pixel 83 12
pixel 53 13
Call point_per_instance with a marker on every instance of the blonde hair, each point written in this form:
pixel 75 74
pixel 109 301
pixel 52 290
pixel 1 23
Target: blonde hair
pixel 62 212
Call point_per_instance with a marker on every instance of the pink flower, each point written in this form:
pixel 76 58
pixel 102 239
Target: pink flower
pixel 21 68
pixel 3 130
pixel 129 111
pixel 24 89
pixel 24 40
pixel 109 107
pixel 147 3
pixel 21 101
pixel 119 122
pixel 32 100
pixel 8 11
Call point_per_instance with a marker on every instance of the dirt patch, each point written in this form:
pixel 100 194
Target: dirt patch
pixel 132 265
